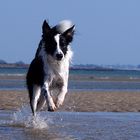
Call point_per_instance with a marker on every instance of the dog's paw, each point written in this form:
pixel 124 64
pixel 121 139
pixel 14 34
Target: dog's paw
pixel 59 102
pixel 51 107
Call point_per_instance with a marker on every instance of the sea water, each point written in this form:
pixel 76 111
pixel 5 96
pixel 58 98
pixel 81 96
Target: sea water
pixel 84 80
pixel 20 124
pixel 15 125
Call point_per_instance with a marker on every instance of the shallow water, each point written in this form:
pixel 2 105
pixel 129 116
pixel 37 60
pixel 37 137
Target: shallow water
pixel 15 125
pixel 76 85
pixel 85 80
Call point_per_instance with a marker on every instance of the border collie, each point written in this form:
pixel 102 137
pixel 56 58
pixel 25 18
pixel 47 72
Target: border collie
pixel 49 71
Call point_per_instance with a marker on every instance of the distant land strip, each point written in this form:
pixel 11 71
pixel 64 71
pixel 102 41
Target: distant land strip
pixel 21 64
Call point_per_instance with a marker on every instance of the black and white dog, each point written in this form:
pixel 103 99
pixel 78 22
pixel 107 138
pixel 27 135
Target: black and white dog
pixel 49 71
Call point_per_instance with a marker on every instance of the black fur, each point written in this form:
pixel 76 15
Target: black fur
pixel 48 38
pixel 35 75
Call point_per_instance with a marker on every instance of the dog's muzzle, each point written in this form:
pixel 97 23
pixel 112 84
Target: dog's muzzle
pixel 59 56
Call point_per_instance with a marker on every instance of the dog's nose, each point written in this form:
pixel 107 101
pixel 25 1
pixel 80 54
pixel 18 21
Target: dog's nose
pixel 59 56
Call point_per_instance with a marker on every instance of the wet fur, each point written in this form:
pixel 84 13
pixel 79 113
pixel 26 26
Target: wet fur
pixel 49 70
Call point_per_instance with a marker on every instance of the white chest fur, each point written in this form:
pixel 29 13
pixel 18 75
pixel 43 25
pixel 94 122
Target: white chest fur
pixel 54 69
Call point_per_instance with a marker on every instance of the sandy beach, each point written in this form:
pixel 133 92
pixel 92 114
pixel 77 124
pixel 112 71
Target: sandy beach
pixel 102 107
pixel 95 101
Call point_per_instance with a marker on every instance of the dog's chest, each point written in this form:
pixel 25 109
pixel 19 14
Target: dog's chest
pixel 56 74
pixel 56 83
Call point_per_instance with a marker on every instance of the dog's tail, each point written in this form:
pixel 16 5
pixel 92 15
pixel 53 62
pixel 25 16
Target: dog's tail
pixel 63 25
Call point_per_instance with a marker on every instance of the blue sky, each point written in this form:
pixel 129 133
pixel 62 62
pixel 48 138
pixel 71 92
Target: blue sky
pixel 107 31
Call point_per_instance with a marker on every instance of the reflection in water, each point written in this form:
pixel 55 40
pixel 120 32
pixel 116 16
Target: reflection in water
pixel 68 125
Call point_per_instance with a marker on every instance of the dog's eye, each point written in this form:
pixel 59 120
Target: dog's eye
pixel 62 42
pixel 50 42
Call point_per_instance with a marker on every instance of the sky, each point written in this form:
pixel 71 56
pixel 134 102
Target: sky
pixel 107 31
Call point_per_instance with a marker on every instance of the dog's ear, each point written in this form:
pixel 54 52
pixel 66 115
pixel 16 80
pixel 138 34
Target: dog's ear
pixel 45 28
pixel 68 34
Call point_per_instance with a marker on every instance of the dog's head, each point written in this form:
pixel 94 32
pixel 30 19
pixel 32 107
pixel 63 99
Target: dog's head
pixel 57 39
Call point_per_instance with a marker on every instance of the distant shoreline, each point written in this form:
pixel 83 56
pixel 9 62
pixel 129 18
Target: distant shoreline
pixel 14 65
pixel 21 64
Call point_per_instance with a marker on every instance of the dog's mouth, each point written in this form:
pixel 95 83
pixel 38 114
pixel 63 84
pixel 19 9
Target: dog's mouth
pixel 59 59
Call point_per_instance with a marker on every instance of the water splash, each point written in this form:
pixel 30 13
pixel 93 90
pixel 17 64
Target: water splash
pixel 25 118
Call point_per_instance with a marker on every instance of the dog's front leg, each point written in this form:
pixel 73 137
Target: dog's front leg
pixel 61 95
pixel 49 99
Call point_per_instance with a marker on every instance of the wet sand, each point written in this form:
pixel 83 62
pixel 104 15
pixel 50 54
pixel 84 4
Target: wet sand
pixel 83 116
pixel 95 101
pixel 75 119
